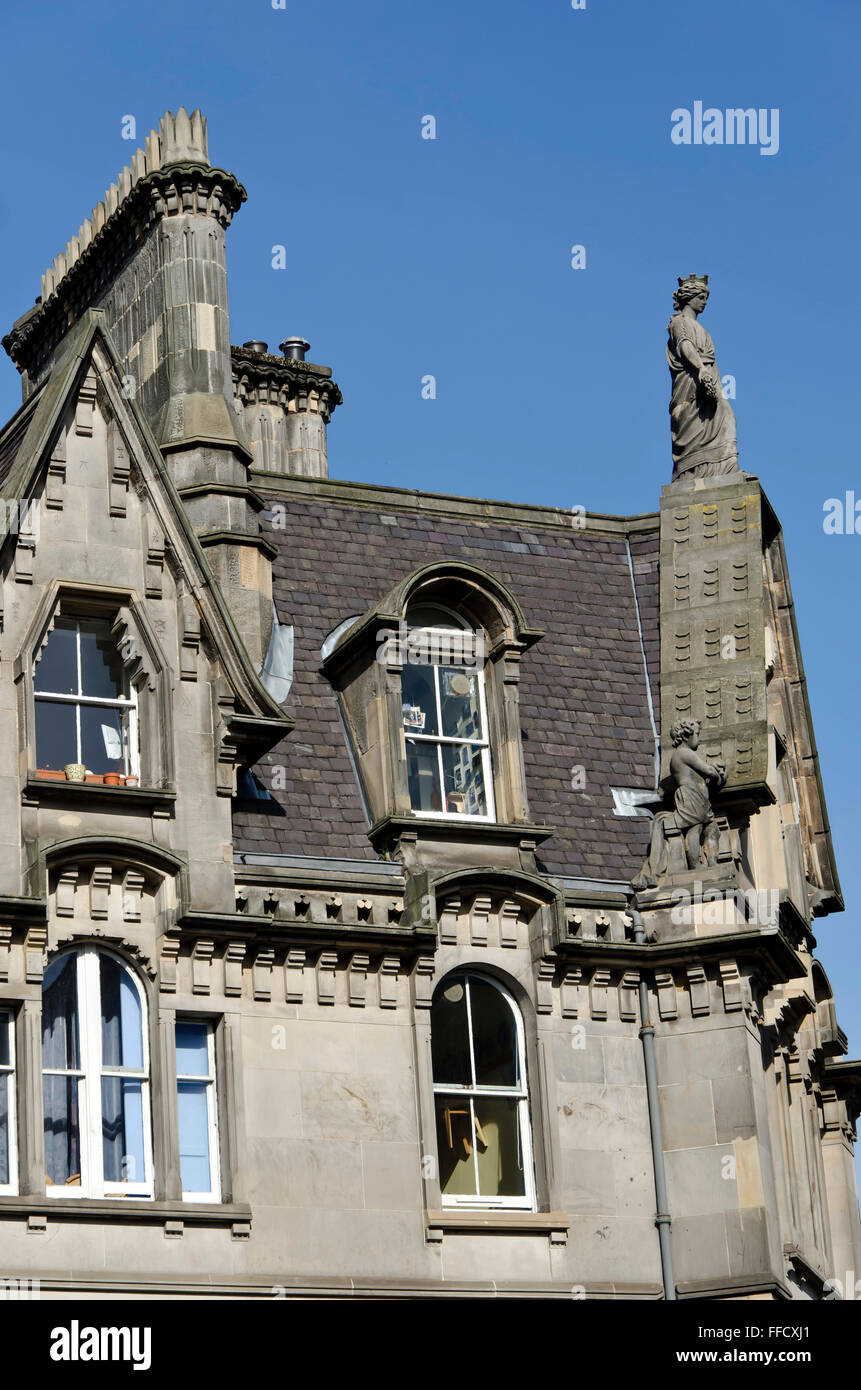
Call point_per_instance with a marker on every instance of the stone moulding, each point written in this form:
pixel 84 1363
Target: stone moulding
pixel 263 378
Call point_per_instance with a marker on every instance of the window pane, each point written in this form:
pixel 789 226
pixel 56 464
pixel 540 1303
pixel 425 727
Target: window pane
pixel 102 670
pixel 419 700
pixel 423 776
pixel 461 713
pixel 122 1027
pixel 450 1036
pixel 463 774
pixel 4 1127
pixel 62 1137
pixel 455 1143
pixel 123 1130
pixel 192 1048
pixel 5 1050
pixel 498 1147
pixel 60 1014
pixel 56 735
pixel 494 1035
pixel 428 615
pixel 103 738
pixel 193 1137
pixel 57 668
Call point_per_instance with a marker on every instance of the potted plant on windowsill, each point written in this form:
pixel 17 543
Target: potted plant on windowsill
pixel 75 772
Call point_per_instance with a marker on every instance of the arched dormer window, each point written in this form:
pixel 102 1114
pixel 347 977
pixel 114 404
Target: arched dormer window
pixel 449 768
pixel 427 683
pixel 484 1144
pixel 95 1078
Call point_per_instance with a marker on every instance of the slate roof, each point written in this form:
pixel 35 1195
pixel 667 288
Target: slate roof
pixel 14 433
pixel 584 692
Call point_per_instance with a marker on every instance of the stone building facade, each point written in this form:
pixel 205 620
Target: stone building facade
pixel 321 972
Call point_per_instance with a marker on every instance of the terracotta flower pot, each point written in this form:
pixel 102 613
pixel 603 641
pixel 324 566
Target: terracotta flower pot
pixel 112 779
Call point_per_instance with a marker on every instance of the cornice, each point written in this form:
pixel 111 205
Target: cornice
pixel 767 945
pixel 394 500
pixel 261 378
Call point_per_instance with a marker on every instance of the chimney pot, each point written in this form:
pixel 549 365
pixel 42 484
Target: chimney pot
pixel 295 348
pixel 256 345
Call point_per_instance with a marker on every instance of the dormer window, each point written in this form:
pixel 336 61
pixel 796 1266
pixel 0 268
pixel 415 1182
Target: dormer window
pixel 86 709
pixel 445 717
pixel 427 687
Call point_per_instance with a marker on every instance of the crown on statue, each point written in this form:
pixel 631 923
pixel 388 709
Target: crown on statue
pixel 694 282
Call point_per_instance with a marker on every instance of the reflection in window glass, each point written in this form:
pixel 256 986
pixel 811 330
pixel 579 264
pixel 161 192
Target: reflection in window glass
pixel 4 1129
pixel 450 1036
pixel 423 776
pixel 123 1129
pixel 8 1164
pixel 95 1081
pixel 57 667
pixel 101 668
pixel 62 1131
pixel 463 778
pixel 194 1137
pixel 104 745
pixel 122 1027
pixel 196 1106
pixel 85 709
pixel 481 1103
pixel 56 735
pixel 448 752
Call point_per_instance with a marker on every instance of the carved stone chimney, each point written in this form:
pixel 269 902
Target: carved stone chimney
pixel 287 404
pixel 152 257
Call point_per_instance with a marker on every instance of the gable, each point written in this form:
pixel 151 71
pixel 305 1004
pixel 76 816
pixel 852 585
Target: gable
pixel 103 513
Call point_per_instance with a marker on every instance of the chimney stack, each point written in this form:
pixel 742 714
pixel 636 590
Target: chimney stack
pixel 287 403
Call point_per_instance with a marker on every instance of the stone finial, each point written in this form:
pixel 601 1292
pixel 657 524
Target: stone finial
pixel 183 138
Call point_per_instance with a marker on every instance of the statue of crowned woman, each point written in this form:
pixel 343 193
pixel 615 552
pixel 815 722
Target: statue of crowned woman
pixel 702 422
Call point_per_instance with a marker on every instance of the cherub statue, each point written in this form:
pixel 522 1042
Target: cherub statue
pixel 691 774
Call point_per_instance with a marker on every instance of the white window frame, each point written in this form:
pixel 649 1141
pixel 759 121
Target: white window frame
pixel 89 1076
pixel 442 634
pixel 210 1080
pixel 10 1188
pixel 519 1093
pixel 128 703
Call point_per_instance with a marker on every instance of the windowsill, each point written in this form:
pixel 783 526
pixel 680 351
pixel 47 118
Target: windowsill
pixel 435 825
pixel 43 789
pixel 41 1211
pixel 497 1221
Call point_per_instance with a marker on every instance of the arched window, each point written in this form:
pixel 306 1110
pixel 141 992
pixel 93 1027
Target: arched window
pixel 95 1076
pixel 484 1143
pixel 445 716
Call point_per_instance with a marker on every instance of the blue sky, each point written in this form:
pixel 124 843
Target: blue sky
pixel 451 257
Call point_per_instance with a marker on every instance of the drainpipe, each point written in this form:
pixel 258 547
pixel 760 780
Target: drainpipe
pixel 647 1035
